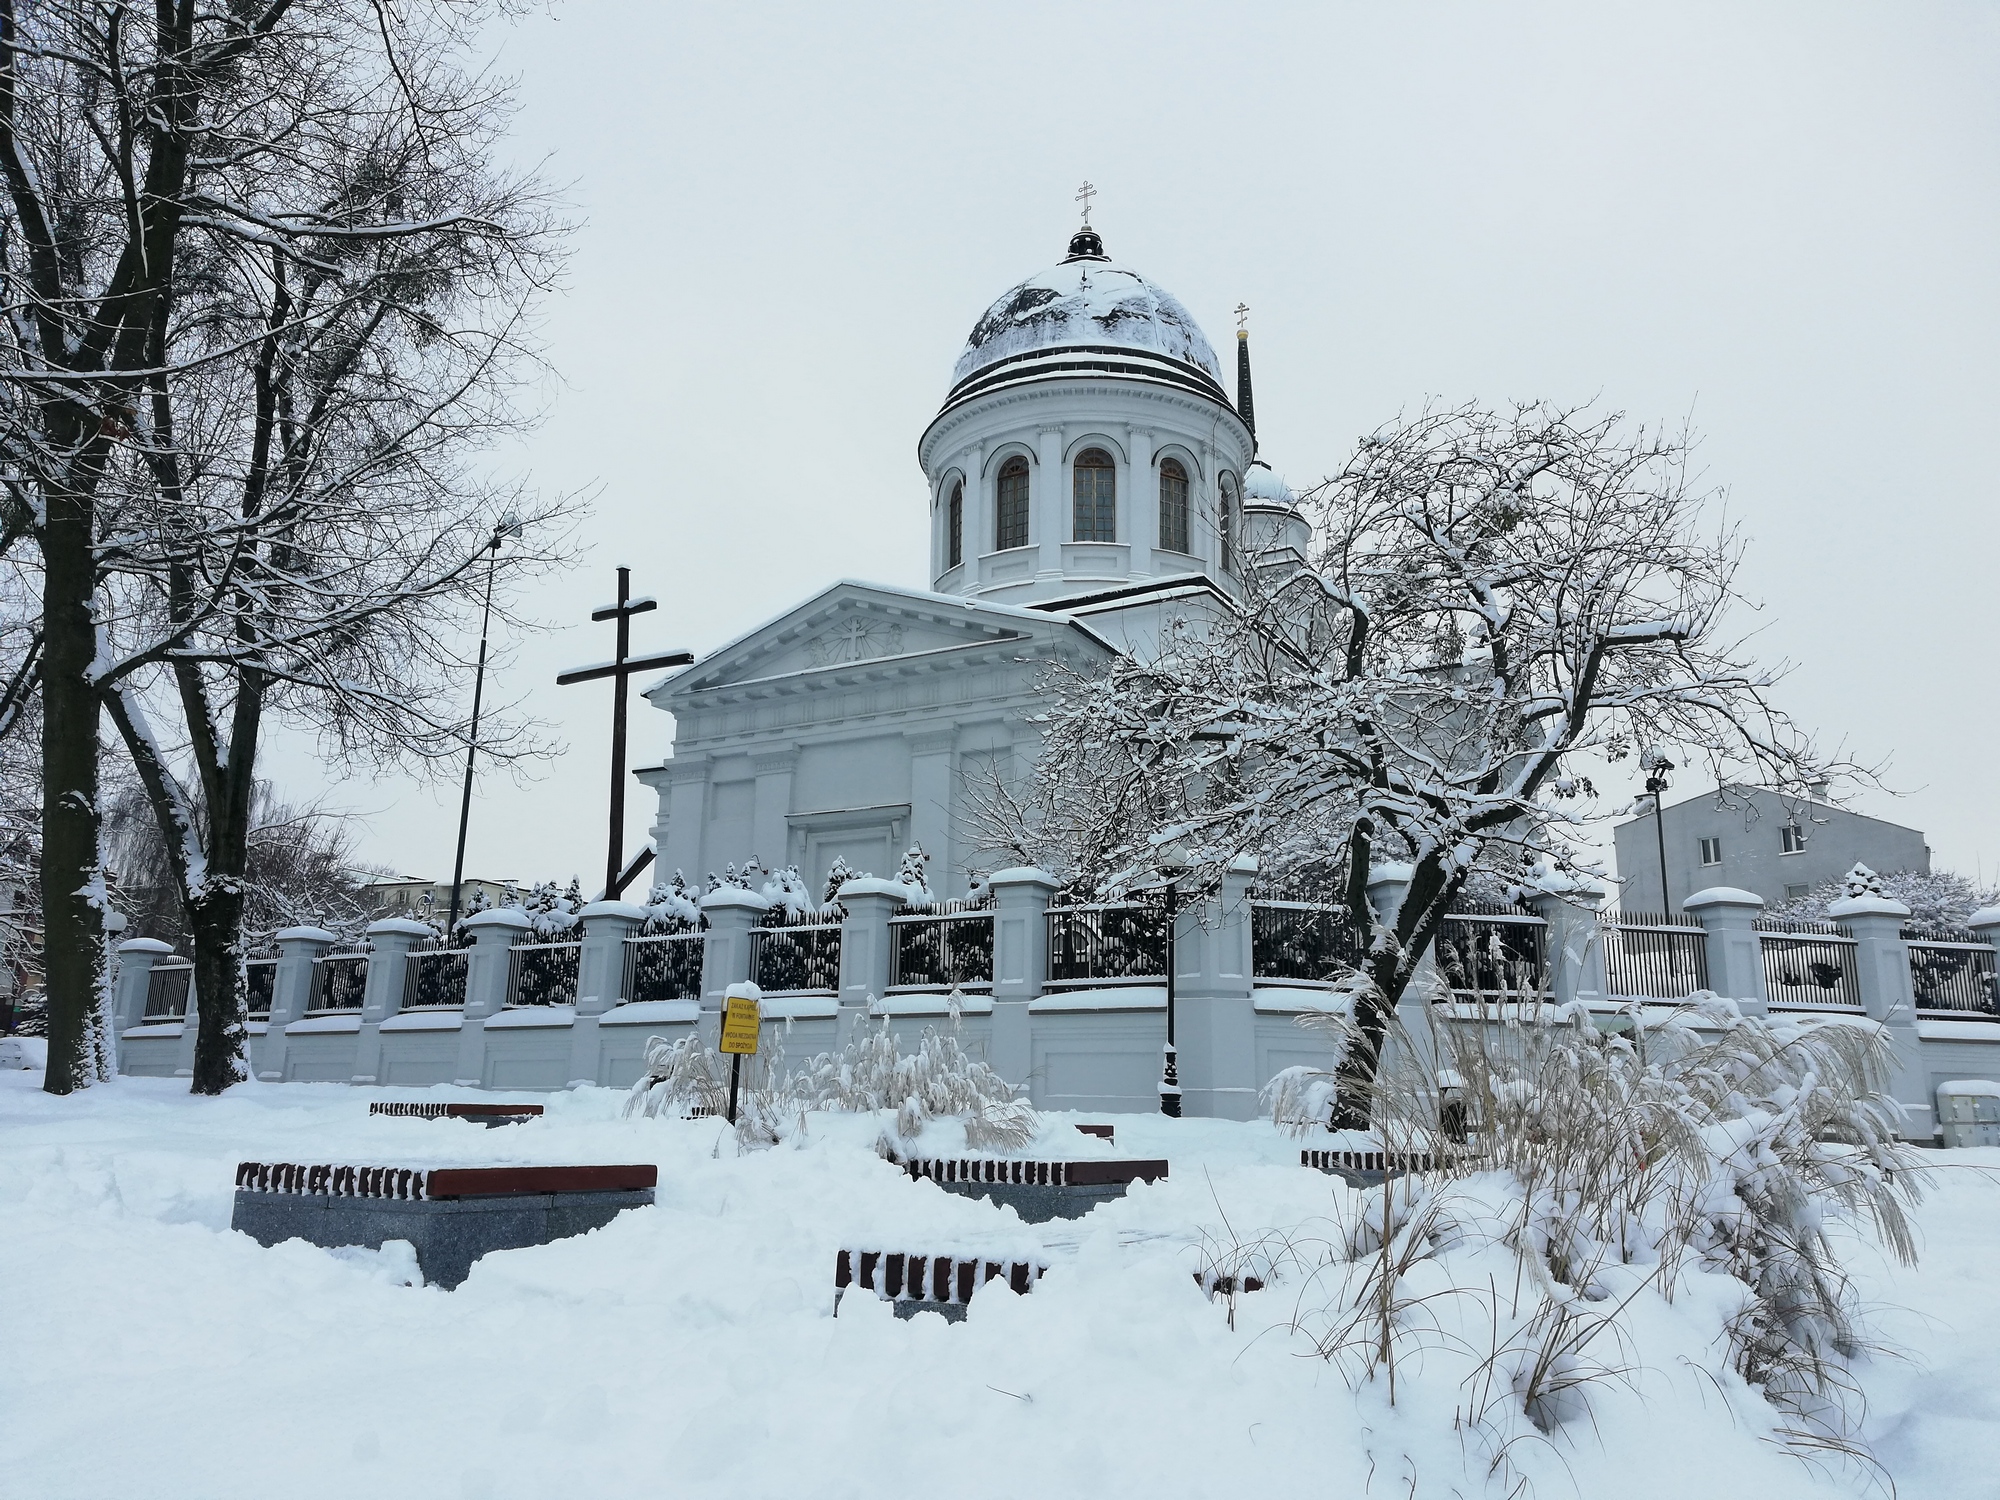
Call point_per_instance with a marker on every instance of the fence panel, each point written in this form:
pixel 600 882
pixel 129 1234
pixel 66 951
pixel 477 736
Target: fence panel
pixel 1301 940
pixel 942 951
pixel 1653 955
pixel 542 973
pixel 664 968
pixel 434 978
pixel 260 982
pixel 1809 963
pixel 1487 950
pixel 1952 971
pixel 340 982
pixel 167 991
pixel 1093 944
pixel 794 958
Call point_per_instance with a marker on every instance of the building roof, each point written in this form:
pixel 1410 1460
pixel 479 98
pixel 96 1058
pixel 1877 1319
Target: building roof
pixel 1087 315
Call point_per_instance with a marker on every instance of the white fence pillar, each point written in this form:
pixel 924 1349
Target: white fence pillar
pixel 486 967
pixel 389 943
pixel 725 954
pixel 1575 941
pixel 1020 965
pixel 1215 1023
pixel 600 979
pixel 864 947
pixel 1882 972
pixel 136 958
pixel 291 991
pixel 1728 918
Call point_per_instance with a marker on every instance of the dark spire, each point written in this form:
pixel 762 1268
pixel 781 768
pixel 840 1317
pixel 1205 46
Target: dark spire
pixel 1245 407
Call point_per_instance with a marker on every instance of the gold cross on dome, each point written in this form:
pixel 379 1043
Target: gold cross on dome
pixel 1242 316
pixel 1083 195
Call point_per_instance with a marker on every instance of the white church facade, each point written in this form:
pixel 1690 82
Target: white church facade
pixel 1089 477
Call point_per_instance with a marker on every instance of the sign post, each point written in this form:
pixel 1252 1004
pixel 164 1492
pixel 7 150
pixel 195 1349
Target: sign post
pixel 742 1018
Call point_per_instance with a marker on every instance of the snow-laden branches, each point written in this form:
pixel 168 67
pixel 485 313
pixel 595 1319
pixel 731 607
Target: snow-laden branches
pixel 1494 599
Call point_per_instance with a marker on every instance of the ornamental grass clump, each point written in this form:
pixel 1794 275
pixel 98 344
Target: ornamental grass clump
pixel 938 1081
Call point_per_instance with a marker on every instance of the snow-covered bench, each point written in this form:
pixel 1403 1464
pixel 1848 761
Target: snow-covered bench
pixel 451 1215
pixel 928 1283
pixel 485 1114
pixel 1036 1190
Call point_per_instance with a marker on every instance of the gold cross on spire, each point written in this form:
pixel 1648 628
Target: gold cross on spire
pixel 1083 195
pixel 1242 317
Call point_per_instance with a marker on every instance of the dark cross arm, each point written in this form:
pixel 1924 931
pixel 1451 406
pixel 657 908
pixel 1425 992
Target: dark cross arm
pixel 629 607
pixel 618 668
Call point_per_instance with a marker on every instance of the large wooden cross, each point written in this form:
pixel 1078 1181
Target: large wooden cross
pixel 617 875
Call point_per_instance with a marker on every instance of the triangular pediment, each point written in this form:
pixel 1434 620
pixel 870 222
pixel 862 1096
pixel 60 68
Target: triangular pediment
pixel 854 628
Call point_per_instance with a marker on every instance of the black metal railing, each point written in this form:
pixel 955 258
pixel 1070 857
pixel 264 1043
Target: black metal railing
pixel 1124 943
pixel 664 968
pixel 1653 955
pixel 794 956
pixel 1488 948
pixel 1302 940
pixel 167 991
pixel 1809 963
pixel 942 949
pixel 542 973
pixel 260 985
pixel 434 978
pixel 1952 971
pixel 339 982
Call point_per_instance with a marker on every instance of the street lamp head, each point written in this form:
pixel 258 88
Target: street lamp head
pixel 507 526
pixel 1173 863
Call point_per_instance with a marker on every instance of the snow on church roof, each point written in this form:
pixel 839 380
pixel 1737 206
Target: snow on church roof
pixel 1088 300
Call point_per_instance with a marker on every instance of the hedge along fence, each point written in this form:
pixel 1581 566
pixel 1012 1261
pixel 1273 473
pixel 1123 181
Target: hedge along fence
pixel 946 946
pixel 1302 941
pixel 794 956
pixel 543 973
pixel 666 967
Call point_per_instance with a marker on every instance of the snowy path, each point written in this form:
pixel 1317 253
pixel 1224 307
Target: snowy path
pixel 689 1350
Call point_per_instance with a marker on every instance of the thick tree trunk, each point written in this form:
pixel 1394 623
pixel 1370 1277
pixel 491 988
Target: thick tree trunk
pixel 221 1047
pixel 73 945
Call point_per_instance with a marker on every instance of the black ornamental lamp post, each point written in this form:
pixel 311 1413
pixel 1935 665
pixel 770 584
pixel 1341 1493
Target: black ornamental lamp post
pixel 1174 867
pixel 1657 766
pixel 506 526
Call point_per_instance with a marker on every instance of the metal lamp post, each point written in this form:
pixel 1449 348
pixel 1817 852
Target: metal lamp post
pixel 1656 786
pixel 506 526
pixel 1174 867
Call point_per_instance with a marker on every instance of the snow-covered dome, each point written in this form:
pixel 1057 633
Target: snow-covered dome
pixel 1263 487
pixel 1086 316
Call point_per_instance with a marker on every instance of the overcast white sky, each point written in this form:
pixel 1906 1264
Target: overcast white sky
pixel 1778 218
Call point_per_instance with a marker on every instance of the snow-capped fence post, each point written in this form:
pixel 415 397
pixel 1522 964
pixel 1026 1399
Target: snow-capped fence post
pixel 1388 884
pixel 864 946
pixel 1216 1027
pixel 600 978
pixel 136 957
pixel 725 958
pixel 389 943
pixel 1576 946
pixel 1882 973
pixel 291 991
pixel 1728 918
pixel 1020 965
pixel 1985 925
pixel 486 968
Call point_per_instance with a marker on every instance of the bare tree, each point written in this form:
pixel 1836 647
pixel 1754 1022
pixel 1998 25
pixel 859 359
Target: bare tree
pixel 1496 600
pixel 267 297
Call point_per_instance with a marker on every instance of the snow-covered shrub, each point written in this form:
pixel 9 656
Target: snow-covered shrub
pixel 837 875
pixel 672 906
pixel 678 1078
pixel 1939 898
pixel 912 873
pixel 1607 1166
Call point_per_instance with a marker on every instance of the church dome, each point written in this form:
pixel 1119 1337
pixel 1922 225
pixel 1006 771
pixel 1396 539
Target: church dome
pixel 1087 316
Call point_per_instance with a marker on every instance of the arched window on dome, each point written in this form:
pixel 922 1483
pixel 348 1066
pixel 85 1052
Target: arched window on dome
pixel 955 527
pixel 1230 512
pixel 1096 497
pixel 1011 514
pixel 1173 505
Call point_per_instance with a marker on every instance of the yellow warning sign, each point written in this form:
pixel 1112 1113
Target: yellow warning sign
pixel 739 1025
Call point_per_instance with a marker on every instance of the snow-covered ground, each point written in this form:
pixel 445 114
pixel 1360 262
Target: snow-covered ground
pixel 690 1349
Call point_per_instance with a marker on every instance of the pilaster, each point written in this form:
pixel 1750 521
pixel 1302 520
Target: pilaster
pixel 1049 498
pixel 1141 519
pixel 770 826
pixel 932 762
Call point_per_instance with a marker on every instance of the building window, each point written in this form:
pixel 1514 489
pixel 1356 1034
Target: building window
pixel 955 525
pixel 1711 851
pixel 1227 520
pixel 1096 497
pixel 1011 528
pixel 1173 506
pixel 1794 892
pixel 1791 839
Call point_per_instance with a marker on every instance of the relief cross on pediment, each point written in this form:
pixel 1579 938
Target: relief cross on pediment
pixel 857 640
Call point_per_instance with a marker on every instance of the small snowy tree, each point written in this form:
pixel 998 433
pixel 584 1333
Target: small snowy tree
pixel 1495 597
pixel 1937 898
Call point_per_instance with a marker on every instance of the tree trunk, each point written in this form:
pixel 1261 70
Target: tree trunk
pixel 221 1047
pixel 72 890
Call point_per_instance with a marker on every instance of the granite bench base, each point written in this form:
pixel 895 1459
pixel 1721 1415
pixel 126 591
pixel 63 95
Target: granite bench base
pixel 451 1216
pixel 1037 1190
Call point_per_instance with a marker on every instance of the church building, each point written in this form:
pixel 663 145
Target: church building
pixel 1089 478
